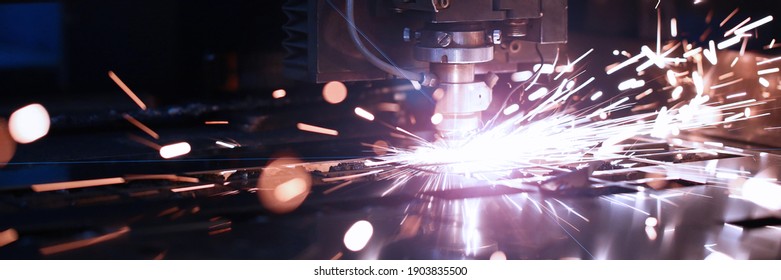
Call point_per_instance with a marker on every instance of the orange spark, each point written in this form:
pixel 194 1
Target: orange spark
pixel 59 248
pixel 127 90
pixel 77 184
pixel 141 126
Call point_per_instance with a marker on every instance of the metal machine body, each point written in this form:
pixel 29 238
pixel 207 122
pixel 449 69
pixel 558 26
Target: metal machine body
pixel 456 46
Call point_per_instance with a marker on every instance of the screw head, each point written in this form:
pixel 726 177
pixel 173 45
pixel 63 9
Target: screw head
pixel 443 39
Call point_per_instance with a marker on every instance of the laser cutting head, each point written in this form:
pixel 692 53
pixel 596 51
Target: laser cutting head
pixel 453 47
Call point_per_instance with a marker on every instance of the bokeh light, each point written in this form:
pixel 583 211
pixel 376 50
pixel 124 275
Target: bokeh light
pixel 29 123
pixel 358 235
pixel 334 92
pixel 283 185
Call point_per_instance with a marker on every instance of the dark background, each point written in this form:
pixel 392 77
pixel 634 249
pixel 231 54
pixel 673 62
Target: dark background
pixel 174 51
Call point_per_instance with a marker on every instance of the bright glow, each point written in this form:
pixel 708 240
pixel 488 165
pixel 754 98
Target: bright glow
pixel 334 92
pixel 521 76
pixel 671 78
pixel 225 144
pixel 316 129
pixel 699 84
pixel 596 95
pixel 283 187
pixel 651 222
pixel 436 118
pixel 736 95
pixel 511 109
pixel 753 25
pixel 764 82
pixel 538 94
pixel 767 71
pixel 747 112
pixel 674 27
pixel 141 126
pixel 498 256
pixel 763 193
pixel 359 234
pixel 175 150
pixel 631 84
pixel 546 68
pixel 277 94
pixel 616 52
pixel 29 123
pixel 364 114
pixel 676 94
pixel 729 42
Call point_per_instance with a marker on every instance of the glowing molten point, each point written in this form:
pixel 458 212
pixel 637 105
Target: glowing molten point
pixel 29 123
pixel 175 150
pixel 277 94
pixel 334 92
pixel 358 235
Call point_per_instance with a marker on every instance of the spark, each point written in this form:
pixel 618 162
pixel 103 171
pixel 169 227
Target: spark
pixel 596 95
pixel 676 94
pixel 277 94
pixel 732 14
pixel 671 78
pixel 48 187
pixel 521 76
pixel 225 144
pixel 316 129
pixel 753 25
pixel 674 27
pixel 726 84
pixel 358 235
pixel 364 114
pixel 215 122
pixel 510 109
pixel 127 90
pixel 175 150
pixel 539 93
pixel 732 31
pixel 626 63
pixel 767 61
pixel 64 247
pixel 767 71
pixel 729 42
pixel 734 61
pixel 772 44
pixel 764 82
pixel 141 126
pixel 710 53
pixel 193 188
pixel 736 95
pixel 570 65
pixel 692 52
